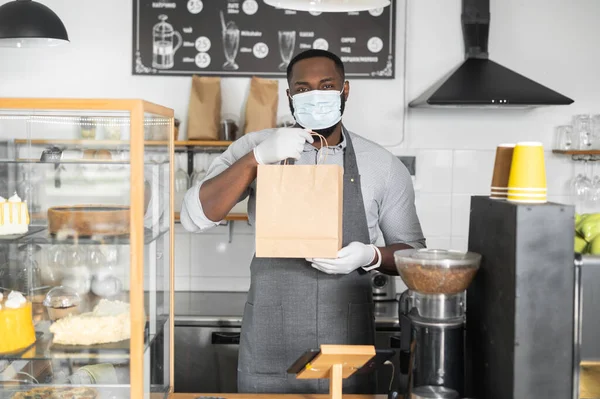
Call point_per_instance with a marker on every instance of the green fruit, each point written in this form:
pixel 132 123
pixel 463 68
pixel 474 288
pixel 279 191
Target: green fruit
pixel 594 247
pixel 590 230
pixel 587 226
pixel 577 218
pixel 580 245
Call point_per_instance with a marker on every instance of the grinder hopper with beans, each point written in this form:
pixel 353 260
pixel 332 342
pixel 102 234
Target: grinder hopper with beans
pixel 432 317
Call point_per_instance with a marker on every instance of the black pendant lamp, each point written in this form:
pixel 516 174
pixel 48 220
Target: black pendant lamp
pixel 27 23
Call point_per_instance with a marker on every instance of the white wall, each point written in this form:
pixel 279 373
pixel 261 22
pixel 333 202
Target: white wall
pixel 554 42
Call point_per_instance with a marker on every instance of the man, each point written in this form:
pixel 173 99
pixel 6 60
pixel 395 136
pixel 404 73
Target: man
pixel 297 304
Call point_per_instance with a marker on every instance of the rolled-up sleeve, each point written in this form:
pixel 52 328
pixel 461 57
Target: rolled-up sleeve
pixel 192 216
pixel 398 218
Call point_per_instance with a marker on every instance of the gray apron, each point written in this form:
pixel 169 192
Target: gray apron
pixel 292 307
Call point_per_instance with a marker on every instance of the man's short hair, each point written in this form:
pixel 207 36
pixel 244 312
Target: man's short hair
pixel 313 53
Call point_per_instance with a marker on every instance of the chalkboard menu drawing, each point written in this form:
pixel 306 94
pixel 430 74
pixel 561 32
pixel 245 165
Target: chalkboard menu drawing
pixel 250 38
pixel 163 48
pixel 231 43
pixel 287 44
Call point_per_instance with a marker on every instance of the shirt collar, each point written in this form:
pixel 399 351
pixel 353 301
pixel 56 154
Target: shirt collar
pixel 331 149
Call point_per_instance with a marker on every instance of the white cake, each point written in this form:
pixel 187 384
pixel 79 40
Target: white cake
pixel 109 322
pixel 14 216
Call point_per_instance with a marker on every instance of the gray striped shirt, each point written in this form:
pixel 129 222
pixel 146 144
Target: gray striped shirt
pixel 386 185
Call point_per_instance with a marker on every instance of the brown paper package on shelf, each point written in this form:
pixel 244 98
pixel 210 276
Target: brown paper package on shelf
pixel 261 107
pixel 204 111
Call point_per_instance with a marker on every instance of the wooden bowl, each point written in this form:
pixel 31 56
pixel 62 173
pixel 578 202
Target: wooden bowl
pixel 89 220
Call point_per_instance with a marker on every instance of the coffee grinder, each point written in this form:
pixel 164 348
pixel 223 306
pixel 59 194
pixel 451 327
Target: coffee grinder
pixel 432 317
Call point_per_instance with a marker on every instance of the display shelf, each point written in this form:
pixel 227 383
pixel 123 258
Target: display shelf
pixel 75 142
pixel 9 239
pixel 40 235
pixel 100 143
pixel 73 161
pixel 103 390
pixel 44 349
pixel 230 217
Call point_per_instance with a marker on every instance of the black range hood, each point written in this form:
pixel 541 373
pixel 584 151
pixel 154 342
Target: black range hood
pixel 480 82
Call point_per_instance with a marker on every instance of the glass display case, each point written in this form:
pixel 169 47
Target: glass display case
pixel 86 232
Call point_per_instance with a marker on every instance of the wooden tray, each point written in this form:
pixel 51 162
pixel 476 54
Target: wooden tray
pixel 89 220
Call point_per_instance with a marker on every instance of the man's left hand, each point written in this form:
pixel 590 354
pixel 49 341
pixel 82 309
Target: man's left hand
pixel 349 258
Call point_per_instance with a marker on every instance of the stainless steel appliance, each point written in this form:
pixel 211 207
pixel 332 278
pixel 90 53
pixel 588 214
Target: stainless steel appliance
pixel 206 358
pixel 384 288
pixel 432 315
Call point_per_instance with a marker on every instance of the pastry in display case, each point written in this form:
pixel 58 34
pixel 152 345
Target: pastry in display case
pixel 86 232
pixel 16 323
pixel 14 216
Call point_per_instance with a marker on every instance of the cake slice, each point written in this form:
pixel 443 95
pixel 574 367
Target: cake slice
pixel 14 216
pixel 109 322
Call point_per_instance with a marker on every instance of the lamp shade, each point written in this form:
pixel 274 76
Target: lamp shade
pixel 27 23
pixel 328 5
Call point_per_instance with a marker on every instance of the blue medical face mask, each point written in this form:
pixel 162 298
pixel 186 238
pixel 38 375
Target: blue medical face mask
pixel 318 109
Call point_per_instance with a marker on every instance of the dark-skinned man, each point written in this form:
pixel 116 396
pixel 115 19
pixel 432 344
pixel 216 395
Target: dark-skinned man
pixel 297 304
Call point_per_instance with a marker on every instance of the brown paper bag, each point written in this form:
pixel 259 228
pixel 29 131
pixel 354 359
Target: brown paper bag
pixel 261 107
pixel 204 111
pixel 299 211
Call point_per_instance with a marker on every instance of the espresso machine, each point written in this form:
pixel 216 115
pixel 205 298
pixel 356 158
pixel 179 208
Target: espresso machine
pixel 432 315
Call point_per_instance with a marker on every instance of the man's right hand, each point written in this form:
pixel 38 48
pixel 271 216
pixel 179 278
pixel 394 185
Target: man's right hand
pixel 283 144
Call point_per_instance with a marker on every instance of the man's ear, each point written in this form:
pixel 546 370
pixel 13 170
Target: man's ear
pixel 346 89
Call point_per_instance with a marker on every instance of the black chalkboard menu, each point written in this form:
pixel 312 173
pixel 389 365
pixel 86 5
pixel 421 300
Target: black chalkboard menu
pixel 251 38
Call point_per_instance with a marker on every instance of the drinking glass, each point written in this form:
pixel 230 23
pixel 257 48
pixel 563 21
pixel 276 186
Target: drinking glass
pixel 287 43
pixel 595 186
pixel 582 187
pixel 182 183
pixel 595 129
pixel 582 128
pixel 77 275
pixel 564 138
pixel 200 170
pixel 95 258
pixel 196 171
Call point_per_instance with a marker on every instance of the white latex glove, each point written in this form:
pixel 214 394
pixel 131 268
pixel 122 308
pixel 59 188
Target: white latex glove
pixel 283 144
pixel 350 258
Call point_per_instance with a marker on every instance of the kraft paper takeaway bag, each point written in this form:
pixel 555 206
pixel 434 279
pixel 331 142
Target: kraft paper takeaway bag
pixel 299 211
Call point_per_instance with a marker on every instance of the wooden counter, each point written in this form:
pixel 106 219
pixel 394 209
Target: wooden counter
pixel 590 380
pixel 589 389
pixel 265 396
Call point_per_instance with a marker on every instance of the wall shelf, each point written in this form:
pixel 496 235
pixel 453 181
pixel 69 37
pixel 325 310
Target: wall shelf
pixel 580 155
pixel 577 152
pixel 231 217
pixel 203 143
